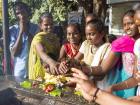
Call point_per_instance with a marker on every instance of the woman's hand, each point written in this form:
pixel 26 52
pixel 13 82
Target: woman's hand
pixel 63 69
pixel 53 68
pixel 86 87
pixel 79 74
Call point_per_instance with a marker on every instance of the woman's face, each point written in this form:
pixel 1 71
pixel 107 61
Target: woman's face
pixel 129 26
pixel 73 35
pixel 93 36
pixel 46 25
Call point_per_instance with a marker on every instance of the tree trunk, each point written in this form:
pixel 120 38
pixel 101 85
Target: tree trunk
pixel 94 6
pixel 100 7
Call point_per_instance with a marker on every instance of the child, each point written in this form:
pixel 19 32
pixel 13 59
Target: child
pixel 44 50
pixel 71 48
pixel 95 38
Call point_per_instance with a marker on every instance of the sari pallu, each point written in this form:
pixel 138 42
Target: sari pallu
pixel 51 45
pixel 71 52
pixel 112 76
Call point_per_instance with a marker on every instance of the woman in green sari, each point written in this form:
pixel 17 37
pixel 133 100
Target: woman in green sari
pixel 44 51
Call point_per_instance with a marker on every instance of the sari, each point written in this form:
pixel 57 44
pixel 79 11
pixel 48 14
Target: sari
pixel 124 46
pixel 88 51
pixel 112 76
pixel 71 52
pixel 51 45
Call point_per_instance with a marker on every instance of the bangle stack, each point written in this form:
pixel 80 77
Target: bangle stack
pixel 95 94
pixel 126 84
pixel 90 68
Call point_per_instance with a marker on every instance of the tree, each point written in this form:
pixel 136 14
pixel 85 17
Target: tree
pixel 94 6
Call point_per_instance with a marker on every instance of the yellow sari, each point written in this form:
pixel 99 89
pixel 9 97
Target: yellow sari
pixel 51 45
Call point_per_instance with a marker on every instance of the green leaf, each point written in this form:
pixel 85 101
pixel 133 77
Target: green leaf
pixel 26 84
pixel 78 93
pixel 56 92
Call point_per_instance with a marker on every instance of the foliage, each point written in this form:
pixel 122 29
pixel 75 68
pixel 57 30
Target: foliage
pixel 26 84
pixel 58 8
pixel 12 18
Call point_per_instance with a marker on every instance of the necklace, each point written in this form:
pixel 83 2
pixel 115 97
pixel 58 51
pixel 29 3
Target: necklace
pixel 94 49
pixel 75 48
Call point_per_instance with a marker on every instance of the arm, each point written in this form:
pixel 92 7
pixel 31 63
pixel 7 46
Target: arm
pixel 16 49
pixel 105 66
pixel 62 54
pixel 79 56
pixel 54 67
pixel 102 97
pixel 44 57
pixel 129 83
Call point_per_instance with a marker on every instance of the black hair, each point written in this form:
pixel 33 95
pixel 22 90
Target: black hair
pixel 92 15
pixel 97 24
pixel 45 14
pixel 22 5
pixel 130 13
pixel 77 25
pixel 111 38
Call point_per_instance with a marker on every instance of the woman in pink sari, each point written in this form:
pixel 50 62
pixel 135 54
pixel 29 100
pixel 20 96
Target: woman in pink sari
pixel 120 58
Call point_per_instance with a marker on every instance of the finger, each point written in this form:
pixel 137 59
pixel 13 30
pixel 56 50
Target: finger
pixel 78 71
pixel 76 75
pixel 53 71
pixel 137 75
pixel 64 67
pixel 56 71
pixel 79 74
pixel 76 80
pixel 61 71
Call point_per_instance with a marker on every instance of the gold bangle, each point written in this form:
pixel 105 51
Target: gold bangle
pixel 90 68
pixel 126 84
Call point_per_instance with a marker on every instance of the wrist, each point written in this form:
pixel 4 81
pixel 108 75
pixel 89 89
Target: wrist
pixel 95 94
pixel 112 88
pixel 92 91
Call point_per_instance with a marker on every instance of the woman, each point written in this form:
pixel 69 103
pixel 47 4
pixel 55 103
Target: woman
pixel 121 51
pixel 44 51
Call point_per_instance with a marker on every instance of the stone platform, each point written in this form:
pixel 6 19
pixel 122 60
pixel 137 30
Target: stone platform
pixel 12 94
